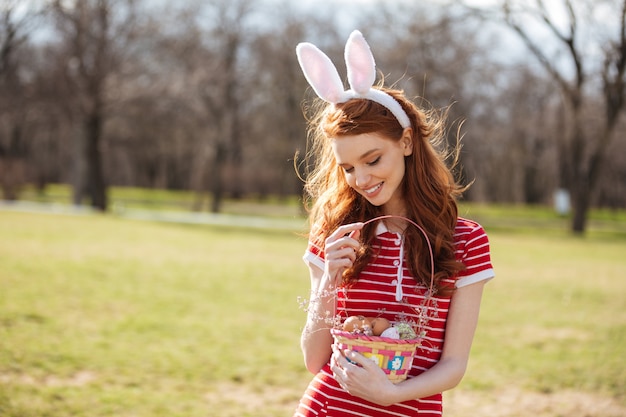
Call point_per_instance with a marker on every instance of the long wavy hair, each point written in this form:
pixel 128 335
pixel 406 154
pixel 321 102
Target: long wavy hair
pixel 429 188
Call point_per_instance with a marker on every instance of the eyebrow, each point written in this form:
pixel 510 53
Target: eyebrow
pixel 364 156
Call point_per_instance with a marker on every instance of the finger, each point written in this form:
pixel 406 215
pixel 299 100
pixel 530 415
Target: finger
pixel 340 380
pixel 344 252
pixel 349 253
pixel 357 359
pixel 336 355
pixel 352 239
pixel 338 372
pixel 344 230
pixel 338 358
pixel 355 234
pixel 338 266
pixel 341 242
pixel 344 247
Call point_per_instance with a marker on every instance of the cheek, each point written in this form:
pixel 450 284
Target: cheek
pixel 398 167
pixel 350 180
pixel 402 169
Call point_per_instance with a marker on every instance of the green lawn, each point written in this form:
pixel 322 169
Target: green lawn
pixel 105 316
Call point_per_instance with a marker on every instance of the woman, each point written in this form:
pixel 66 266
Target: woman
pixel 375 159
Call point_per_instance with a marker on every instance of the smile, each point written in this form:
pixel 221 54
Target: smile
pixel 373 189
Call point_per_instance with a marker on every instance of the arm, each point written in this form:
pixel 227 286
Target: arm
pixel 369 382
pixel 316 340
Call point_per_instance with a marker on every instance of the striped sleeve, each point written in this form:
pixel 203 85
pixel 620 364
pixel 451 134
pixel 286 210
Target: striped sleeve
pixel 472 248
pixel 314 254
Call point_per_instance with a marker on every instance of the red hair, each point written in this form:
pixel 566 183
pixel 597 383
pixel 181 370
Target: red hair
pixel 429 188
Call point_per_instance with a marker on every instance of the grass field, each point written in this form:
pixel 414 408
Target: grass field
pixel 104 316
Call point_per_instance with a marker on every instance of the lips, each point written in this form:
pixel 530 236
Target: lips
pixel 373 190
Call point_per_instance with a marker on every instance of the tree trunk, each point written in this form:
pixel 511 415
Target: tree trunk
pixel 581 203
pixel 11 177
pixel 79 174
pixel 93 156
pixel 215 177
pixel 236 154
pixel 580 188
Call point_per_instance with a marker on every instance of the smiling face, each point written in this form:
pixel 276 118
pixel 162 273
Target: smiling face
pixel 374 167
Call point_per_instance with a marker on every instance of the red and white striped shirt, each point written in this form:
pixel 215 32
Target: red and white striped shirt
pixel 387 289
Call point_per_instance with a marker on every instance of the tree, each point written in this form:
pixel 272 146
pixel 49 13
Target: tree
pixel 94 36
pixel 15 28
pixel 278 121
pixel 584 151
pixel 213 45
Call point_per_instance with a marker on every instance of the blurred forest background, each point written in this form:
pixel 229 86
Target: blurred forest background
pixel 208 95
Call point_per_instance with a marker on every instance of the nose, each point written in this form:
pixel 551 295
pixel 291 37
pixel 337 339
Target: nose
pixel 361 178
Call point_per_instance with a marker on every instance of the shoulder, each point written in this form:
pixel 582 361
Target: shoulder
pixel 464 225
pixel 472 249
pixel 467 230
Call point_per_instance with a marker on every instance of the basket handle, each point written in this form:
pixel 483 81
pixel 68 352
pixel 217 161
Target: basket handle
pixel 430 248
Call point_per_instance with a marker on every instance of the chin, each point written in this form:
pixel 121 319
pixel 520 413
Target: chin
pixel 377 202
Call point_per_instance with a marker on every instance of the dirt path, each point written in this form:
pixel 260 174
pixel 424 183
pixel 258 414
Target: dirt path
pixel 513 402
pixel 508 402
pixel 231 399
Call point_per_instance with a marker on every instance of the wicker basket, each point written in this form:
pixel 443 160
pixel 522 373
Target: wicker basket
pixel 393 356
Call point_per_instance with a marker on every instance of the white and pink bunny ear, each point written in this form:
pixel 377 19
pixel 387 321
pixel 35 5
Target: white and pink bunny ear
pixel 323 76
pixel 320 72
pixel 360 63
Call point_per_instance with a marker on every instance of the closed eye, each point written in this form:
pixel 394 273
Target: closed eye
pixel 349 169
pixel 374 162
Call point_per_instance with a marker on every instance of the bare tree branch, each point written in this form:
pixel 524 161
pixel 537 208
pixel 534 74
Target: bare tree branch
pixel 536 50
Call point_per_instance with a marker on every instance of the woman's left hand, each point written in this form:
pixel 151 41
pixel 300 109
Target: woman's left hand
pixel 361 377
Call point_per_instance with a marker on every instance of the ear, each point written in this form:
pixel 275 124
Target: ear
pixel 407 141
pixel 360 63
pixel 320 72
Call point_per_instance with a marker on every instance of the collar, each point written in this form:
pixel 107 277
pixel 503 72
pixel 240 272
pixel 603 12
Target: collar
pixel 382 228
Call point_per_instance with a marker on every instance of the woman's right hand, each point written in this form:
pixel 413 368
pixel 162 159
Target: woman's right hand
pixel 340 253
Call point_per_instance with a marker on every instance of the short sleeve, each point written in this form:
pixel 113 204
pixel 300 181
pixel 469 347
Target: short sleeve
pixel 473 250
pixel 314 254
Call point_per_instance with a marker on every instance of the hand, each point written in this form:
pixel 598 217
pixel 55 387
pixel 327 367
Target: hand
pixel 361 377
pixel 340 252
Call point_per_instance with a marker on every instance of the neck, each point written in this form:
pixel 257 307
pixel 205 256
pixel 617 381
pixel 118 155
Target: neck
pixel 396 225
pixel 398 210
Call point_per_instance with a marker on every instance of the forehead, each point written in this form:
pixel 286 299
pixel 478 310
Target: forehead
pixel 353 148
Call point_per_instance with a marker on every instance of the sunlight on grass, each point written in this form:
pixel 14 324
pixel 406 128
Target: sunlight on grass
pixel 150 309
pixel 556 313
pixel 102 316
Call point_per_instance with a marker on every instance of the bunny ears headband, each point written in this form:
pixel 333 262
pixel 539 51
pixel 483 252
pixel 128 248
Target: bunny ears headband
pixel 322 75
